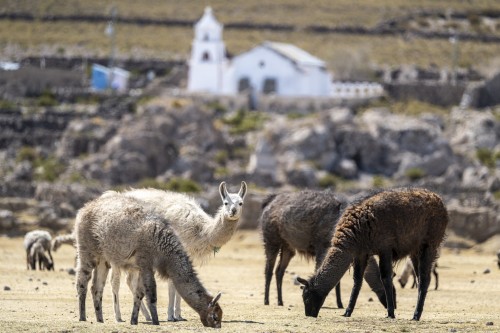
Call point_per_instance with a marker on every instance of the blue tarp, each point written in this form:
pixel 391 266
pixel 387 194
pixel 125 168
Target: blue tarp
pixel 100 76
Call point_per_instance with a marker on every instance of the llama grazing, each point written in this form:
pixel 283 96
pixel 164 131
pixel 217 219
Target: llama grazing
pixel 70 240
pixel 201 234
pixel 392 225
pixel 125 233
pixel 37 246
pixel 304 222
pixel 409 271
pixel 63 239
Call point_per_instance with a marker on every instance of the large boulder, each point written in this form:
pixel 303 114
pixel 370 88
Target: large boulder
pixel 476 223
pixel 7 220
pixel 85 136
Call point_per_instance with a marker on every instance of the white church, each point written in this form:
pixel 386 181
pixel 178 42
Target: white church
pixel 269 68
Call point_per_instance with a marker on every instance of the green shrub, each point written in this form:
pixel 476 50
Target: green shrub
pixel 7 105
pixel 47 99
pixel 152 183
pixel 328 180
pixel 26 153
pixel 48 169
pixel 221 157
pixel 183 185
pixel 378 181
pixel 486 157
pixel 496 195
pixel 217 107
pixel 294 115
pixel 221 172
pixel 415 173
pixel 174 184
pixel 244 121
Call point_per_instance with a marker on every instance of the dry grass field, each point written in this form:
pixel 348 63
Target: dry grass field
pixel 40 301
pixel 66 38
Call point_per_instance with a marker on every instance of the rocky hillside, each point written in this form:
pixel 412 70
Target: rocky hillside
pixel 194 143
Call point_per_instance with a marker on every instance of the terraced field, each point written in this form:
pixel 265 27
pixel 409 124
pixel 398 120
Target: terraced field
pixel 83 34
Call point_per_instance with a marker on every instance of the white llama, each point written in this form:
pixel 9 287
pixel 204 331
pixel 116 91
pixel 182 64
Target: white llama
pixel 123 232
pixel 201 234
pixel 37 244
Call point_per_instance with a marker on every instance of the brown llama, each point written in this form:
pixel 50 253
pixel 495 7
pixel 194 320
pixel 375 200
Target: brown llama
pixel 391 224
pixel 304 222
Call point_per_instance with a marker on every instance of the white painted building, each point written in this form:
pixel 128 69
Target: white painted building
pixel 208 63
pixel 269 68
pixel 281 69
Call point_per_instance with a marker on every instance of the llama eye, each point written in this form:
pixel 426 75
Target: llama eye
pixel 241 203
pixel 225 203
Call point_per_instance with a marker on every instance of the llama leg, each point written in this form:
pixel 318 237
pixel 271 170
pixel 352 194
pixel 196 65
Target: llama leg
pixel 171 300
pixel 39 259
pixel 285 256
pixel 272 251
pixel 385 264
pixel 138 292
pixel 98 282
pixel 338 296
pixel 83 274
pixel 426 260
pixel 132 282
pixel 372 277
pixel 359 270
pixel 149 281
pixel 51 259
pixel 436 276
pixel 115 287
pixel 177 309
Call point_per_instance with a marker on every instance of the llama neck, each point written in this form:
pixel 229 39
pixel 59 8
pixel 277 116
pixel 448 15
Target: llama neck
pixel 192 292
pixel 172 262
pixel 220 231
pixel 334 266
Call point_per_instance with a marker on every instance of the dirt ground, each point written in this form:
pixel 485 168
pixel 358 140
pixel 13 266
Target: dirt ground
pixel 40 301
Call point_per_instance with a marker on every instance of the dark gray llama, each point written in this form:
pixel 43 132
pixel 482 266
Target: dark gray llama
pixel 391 224
pixel 304 222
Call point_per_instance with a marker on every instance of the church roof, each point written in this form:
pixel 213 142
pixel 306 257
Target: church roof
pixel 208 21
pixel 294 53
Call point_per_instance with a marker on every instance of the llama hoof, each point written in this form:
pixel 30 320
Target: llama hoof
pixel 180 319
pixel 347 313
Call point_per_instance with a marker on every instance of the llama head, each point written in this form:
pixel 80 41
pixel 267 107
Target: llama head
pixel 212 317
pixel 312 300
pixel 232 202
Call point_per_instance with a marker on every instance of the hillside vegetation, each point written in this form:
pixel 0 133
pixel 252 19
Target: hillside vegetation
pixel 85 38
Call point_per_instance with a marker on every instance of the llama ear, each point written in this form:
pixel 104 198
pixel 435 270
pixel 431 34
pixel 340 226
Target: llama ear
pixel 302 281
pixel 223 190
pixel 243 190
pixel 215 300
